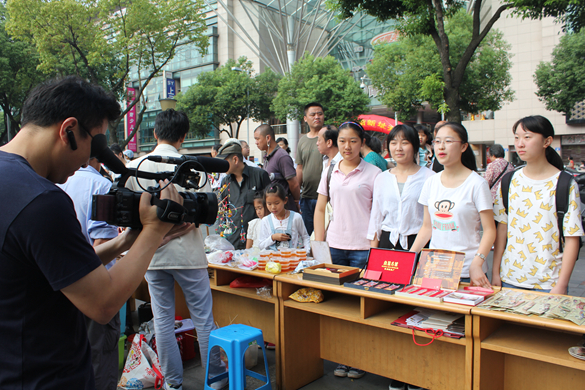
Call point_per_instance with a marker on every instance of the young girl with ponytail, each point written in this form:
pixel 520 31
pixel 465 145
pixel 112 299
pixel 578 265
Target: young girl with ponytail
pixel 457 202
pixel 528 237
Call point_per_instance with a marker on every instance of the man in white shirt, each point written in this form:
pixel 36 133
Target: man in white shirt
pixel 327 146
pixel 182 260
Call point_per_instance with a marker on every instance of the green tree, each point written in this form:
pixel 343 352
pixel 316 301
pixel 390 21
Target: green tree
pixel 409 72
pixel 18 74
pixel 324 81
pixel 561 82
pixel 223 98
pixel 428 17
pixel 109 41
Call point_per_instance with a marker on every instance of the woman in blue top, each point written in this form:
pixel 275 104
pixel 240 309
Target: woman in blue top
pixel 371 150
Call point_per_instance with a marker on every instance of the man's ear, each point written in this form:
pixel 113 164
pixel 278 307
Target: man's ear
pixel 66 132
pixel 182 139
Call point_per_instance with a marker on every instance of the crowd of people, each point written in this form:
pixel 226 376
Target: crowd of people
pixel 58 275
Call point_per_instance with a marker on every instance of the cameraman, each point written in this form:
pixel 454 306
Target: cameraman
pixel 182 260
pixel 49 274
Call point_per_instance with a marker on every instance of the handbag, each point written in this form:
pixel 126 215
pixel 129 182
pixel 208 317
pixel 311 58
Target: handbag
pixel 142 368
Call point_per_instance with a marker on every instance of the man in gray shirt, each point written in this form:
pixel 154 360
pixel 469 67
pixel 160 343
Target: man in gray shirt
pixel 310 163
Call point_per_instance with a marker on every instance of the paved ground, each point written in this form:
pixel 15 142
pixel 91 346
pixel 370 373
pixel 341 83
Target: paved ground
pixel 194 373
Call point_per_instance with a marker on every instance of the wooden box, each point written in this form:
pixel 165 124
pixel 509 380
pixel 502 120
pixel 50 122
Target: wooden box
pixel 331 273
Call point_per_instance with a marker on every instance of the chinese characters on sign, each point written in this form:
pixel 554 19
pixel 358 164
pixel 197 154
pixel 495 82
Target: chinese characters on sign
pixel 131 120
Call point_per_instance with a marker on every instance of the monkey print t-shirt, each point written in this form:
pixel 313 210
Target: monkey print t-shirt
pixel 454 213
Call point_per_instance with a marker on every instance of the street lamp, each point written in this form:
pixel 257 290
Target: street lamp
pixel 238 69
pixel 167 103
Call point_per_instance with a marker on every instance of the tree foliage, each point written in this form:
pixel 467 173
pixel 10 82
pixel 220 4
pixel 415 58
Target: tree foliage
pixel 324 81
pixel 18 75
pixel 223 98
pixel 108 41
pixel 561 82
pixel 427 17
pixel 409 72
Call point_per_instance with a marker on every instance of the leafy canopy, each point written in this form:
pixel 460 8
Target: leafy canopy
pixel 108 42
pixel 409 72
pixel 18 74
pixel 223 98
pixel 324 81
pixel 561 82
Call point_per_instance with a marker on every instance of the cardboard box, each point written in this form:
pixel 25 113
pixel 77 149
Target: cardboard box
pixel 331 273
pixel 387 271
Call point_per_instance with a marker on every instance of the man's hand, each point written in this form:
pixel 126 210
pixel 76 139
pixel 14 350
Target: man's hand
pixel 148 215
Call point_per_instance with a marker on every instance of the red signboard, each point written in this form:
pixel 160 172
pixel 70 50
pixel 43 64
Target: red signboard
pixel 379 123
pixel 387 37
pixel 131 120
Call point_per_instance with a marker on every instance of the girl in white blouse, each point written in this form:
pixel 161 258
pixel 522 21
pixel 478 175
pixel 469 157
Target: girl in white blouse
pixel 396 215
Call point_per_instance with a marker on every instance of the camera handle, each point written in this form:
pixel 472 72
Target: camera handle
pixel 169 211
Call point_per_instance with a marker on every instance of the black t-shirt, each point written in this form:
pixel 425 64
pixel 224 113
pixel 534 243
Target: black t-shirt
pixel 43 340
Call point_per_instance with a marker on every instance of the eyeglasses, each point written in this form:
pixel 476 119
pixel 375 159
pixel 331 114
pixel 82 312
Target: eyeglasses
pixel 446 142
pixel 84 128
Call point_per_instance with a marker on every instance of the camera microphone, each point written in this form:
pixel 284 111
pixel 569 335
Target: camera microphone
pixel 210 164
pixel 100 150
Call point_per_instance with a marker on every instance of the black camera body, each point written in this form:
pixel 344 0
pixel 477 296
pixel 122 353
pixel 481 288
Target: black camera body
pixel 120 207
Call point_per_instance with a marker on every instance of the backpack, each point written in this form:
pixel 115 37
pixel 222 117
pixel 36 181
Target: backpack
pixel 561 200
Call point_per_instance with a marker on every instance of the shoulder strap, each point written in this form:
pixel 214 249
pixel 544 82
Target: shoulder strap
pixel 500 175
pixel 505 188
pixel 329 173
pixel 562 203
pixel 270 223
pixel 291 218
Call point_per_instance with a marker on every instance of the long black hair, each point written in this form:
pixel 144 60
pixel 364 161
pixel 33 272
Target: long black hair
pixel 467 158
pixel 540 125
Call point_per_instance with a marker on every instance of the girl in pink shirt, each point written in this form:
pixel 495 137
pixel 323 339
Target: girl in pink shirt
pixel 352 186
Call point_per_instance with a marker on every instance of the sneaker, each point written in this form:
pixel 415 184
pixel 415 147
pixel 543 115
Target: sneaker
pixel 270 346
pixel 168 386
pixel 396 385
pixel 355 373
pixel 413 387
pixel 341 371
pixel 219 384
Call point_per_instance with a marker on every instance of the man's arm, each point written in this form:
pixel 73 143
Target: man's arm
pixel 100 294
pixel 300 174
pixel 295 188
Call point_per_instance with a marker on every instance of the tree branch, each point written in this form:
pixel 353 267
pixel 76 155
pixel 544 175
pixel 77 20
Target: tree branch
pixel 475 41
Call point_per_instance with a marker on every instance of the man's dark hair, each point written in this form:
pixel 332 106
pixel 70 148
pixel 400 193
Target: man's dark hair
pixel 265 130
pixel 238 155
pixel 56 100
pixel 313 104
pixel 330 134
pixel 216 147
pixel 171 125
pixel 116 149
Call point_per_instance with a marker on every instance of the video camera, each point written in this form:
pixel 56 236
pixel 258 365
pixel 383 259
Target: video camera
pixel 120 207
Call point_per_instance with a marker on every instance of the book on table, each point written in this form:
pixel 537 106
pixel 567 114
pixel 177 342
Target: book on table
pixel 386 271
pixel 437 275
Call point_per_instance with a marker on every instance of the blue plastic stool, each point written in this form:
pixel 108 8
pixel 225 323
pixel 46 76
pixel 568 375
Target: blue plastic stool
pixel 235 339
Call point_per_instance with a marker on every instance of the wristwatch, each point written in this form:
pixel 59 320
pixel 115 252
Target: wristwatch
pixel 481 256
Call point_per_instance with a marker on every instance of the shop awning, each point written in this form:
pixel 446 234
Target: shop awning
pixel 379 123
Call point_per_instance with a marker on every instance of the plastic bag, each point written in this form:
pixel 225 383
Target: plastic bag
pixel 273 268
pixel 217 243
pixel 220 257
pixel 250 282
pixel 307 295
pixel 142 367
pixel 305 264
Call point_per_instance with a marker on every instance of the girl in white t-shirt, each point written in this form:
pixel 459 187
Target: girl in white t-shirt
pixel 396 215
pixel 254 226
pixel 282 228
pixel 528 238
pixel 457 203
